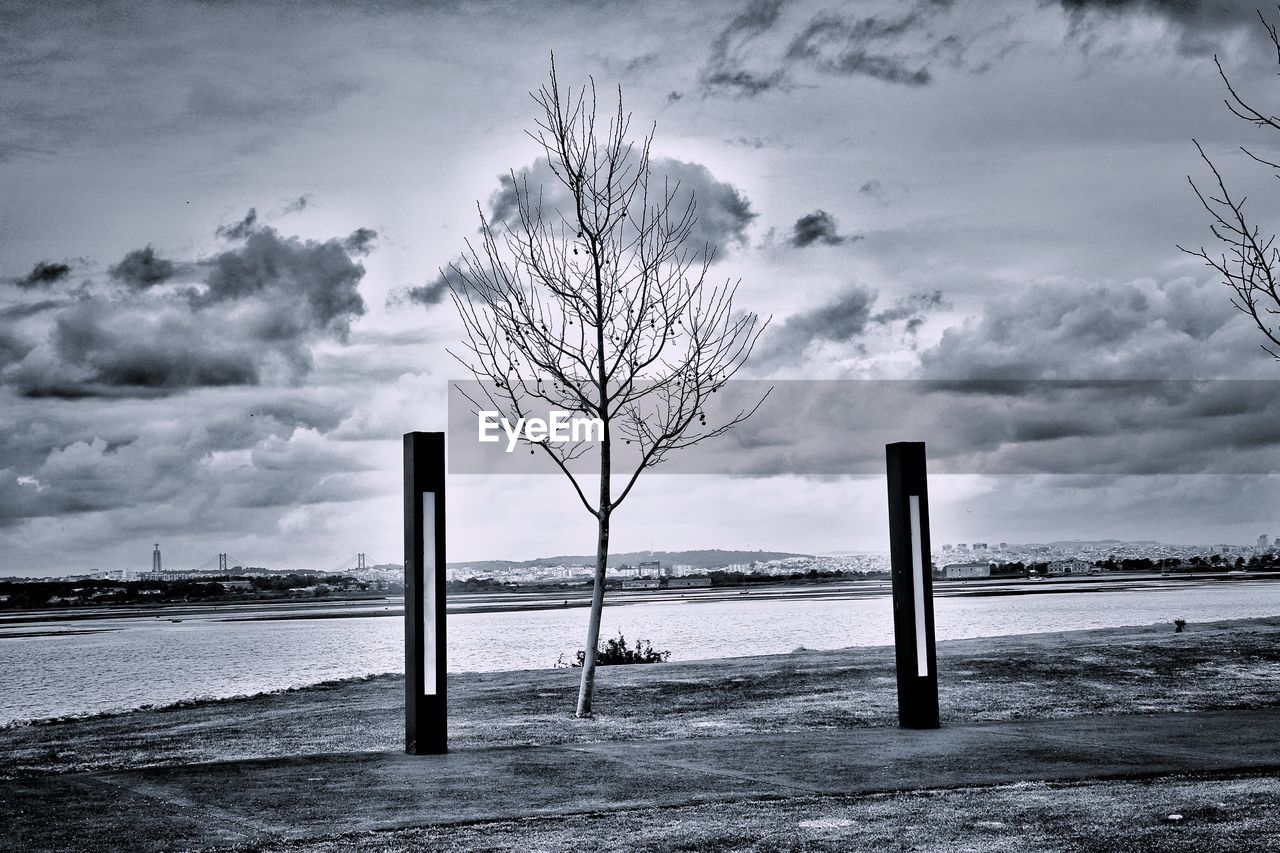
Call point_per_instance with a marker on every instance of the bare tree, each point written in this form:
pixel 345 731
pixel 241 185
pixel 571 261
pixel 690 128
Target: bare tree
pixel 1247 257
pixel 599 306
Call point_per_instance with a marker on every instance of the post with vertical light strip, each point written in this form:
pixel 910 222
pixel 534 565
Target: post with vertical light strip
pixel 425 718
pixel 912 586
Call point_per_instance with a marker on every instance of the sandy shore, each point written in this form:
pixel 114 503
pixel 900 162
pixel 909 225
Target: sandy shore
pixel 1210 666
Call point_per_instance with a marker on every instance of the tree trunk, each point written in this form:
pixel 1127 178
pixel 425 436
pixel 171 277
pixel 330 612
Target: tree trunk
pixel 593 626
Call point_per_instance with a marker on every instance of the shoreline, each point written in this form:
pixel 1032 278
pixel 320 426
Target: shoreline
pixel 968 653
pixel 522 601
pixel 1093 634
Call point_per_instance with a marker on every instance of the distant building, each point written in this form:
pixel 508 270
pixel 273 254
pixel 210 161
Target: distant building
pixel 967 570
pixel 681 583
pixel 1068 567
pixel 1262 541
pixel 650 569
pixel 169 575
pixel 641 583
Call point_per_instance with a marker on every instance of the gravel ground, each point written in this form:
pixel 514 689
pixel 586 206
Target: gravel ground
pixel 1237 815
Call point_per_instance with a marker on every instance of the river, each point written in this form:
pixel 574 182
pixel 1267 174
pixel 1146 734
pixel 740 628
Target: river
pixel 57 668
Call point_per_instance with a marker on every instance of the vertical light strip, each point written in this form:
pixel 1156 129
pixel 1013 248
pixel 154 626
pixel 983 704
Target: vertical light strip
pixel 429 593
pixel 917 585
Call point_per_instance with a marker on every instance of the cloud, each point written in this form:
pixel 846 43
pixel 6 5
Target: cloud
pixel 143 268
pixel 248 315
pixel 724 72
pixel 241 229
pixel 723 212
pixel 297 205
pixel 846 47
pixel 816 227
pixel 290 287
pixel 1060 330
pixel 1200 24
pixel 874 190
pixel 101 349
pixel 913 309
pixel 431 293
pixel 147 466
pixel 12 347
pixel 247 101
pixel 779 46
pixel 360 242
pixel 1211 13
pixel 842 321
pixel 23 310
pixel 43 274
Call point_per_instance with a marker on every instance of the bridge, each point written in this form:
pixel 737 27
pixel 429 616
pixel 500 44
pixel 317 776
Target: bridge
pixel 224 563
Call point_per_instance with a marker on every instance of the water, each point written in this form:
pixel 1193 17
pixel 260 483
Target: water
pixel 151 661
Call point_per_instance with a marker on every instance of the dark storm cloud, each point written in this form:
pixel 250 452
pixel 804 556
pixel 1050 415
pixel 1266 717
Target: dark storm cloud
pixel 723 212
pixel 298 287
pixel 143 268
pixel 249 316
pixel 816 227
pixel 1219 13
pixel 43 274
pixel 1200 23
pixel 103 351
pixel 57 463
pixel 1045 331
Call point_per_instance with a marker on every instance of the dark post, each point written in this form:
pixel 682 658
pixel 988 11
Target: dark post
pixel 425 717
pixel 912 586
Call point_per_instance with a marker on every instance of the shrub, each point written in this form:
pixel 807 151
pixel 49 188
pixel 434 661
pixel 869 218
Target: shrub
pixel 1178 625
pixel 616 652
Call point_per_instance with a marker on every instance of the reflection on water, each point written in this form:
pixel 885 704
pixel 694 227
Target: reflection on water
pixel 155 661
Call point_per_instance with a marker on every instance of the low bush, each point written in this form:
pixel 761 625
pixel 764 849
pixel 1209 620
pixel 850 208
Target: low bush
pixel 615 652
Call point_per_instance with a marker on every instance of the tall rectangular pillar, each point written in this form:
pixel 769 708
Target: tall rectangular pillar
pixel 912 569
pixel 425 707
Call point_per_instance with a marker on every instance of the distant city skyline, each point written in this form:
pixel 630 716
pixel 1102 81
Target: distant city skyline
pixel 1129 547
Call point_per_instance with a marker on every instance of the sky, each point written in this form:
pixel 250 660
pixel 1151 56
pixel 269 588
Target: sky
pixel 223 228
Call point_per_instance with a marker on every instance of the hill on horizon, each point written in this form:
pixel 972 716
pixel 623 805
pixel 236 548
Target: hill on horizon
pixel 711 558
